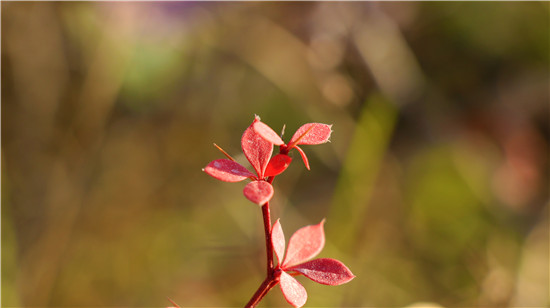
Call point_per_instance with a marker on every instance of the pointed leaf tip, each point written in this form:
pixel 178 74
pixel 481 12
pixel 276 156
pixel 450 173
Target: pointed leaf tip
pixel 227 170
pixel 259 192
pixel 304 156
pixel 325 271
pixel 278 241
pixel 267 133
pixel 312 133
pixel 305 244
pixel 294 293
pixel 256 149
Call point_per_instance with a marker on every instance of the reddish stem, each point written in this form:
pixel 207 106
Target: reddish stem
pixel 270 280
pixel 267 230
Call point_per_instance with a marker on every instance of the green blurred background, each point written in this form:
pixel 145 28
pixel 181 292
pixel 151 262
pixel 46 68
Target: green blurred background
pixel 434 187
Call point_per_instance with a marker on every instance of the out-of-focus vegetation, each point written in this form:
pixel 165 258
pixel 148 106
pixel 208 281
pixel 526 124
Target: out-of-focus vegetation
pixel 434 187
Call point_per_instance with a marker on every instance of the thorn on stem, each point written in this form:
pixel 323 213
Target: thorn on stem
pixel 224 152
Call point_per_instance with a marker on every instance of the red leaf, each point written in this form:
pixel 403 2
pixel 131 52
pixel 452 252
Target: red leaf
pixel 256 149
pixel 305 244
pixel 258 192
pixel 304 157
pixel 311 133
pixel 227 170
pixel 325 271
pixel 294 293
pixel 278 241
pixel 277 165
pixel 267 133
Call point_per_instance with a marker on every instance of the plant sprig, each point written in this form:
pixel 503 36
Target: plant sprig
pixel 257 144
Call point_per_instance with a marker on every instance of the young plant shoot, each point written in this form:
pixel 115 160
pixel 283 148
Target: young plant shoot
pixel 257 144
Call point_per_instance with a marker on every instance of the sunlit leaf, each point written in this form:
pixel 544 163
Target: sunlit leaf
pixel 278 241
pixel 311 133
pixel 256 149
pixel 258 192
pixel 325 271
pixel 294 293
pixel 227 170
pixel 277 165
pixel 267 133
pixel 305 244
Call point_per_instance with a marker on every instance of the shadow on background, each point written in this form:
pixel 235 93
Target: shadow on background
pixel 434 187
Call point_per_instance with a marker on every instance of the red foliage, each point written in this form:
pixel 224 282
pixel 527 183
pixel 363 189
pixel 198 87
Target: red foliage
pixel 258 152
pixel 310 133
pixel 305 244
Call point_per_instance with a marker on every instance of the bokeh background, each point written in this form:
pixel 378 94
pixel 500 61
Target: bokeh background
pixel 434 187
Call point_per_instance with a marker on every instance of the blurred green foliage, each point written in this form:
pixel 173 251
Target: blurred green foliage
pixel 434 187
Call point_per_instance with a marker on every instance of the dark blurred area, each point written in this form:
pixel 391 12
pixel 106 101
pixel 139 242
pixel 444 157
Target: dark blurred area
pixel 434 185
